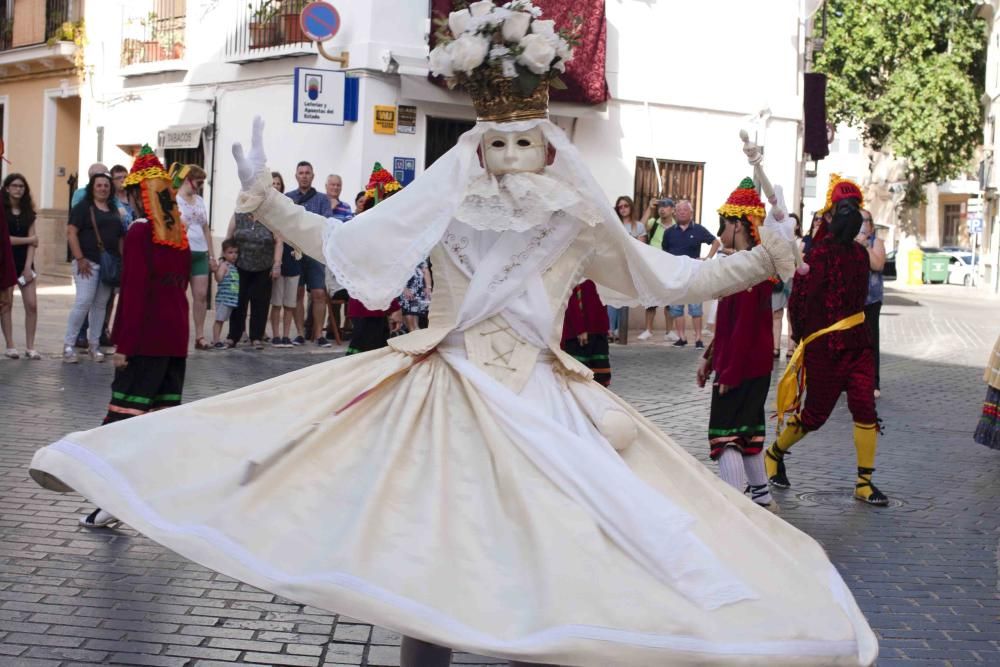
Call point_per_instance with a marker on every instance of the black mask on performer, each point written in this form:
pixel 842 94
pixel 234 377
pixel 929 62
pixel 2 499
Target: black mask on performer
pixel 846 221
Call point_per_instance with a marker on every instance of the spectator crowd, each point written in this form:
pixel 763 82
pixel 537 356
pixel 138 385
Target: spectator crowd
pixel 258 279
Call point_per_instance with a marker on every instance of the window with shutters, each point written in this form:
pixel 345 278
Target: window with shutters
pixel 677 180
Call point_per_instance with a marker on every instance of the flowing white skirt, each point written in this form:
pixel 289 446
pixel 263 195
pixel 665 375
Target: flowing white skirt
pixel 422 496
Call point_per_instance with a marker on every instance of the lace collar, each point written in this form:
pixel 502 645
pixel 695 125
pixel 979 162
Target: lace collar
pixel 519 202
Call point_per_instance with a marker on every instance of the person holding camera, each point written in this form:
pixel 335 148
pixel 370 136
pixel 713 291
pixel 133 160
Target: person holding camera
pixel 656 227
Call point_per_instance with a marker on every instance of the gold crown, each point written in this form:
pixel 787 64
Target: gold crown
pixel 499 99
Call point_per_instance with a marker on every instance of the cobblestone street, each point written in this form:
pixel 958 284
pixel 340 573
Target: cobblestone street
pixel 924 570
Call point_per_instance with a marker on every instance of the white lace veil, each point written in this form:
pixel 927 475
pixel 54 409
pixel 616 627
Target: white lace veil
pixel 374 254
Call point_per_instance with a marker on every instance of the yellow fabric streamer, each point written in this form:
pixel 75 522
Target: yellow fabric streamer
pixel 794 379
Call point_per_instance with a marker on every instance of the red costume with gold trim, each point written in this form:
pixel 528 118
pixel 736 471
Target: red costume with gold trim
pixel 836 353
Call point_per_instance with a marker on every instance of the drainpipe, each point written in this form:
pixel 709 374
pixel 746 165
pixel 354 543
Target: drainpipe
pixel 215 144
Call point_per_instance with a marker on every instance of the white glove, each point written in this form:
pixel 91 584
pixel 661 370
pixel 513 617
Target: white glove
pixel 779 210
pixel 784 225
pixel 250 167
pixel 751 150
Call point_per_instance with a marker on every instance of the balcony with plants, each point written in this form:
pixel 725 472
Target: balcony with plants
pixel 268 29
pixel 31 46
pixel 153 36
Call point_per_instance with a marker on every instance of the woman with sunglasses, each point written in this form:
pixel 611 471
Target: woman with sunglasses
pixel 625 208
pixel 20 213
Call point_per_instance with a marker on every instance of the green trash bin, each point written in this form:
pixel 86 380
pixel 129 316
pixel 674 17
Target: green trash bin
pixel 935 267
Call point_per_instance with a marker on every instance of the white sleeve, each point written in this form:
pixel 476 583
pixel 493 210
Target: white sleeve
pixel 655 278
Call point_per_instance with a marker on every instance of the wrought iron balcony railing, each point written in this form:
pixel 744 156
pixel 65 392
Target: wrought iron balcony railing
pixel 156 35
pixel 266 28
pixel 58 13
pixel 6 28
pixel 62 19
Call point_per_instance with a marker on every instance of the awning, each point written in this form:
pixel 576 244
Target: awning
pixel 180 136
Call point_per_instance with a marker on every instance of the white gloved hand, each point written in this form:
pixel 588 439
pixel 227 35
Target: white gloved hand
pixel 778 209
pixel 778 220
pixel 777 217
pixel 751 150
pixel 249 167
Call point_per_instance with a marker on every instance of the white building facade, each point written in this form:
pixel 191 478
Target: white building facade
pixel 989 238
pixel 187 77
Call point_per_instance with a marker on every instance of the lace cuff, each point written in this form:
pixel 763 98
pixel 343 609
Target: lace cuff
pixel 298 227
pixel 781 253
pixel 250 200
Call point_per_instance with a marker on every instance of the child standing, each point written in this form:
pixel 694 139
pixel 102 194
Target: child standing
pixel 227 296
pixel 740 356
pixel 416 299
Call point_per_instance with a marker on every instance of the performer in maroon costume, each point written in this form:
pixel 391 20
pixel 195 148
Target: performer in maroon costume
pixel 585 331
pixel 151 324
pixel 831 294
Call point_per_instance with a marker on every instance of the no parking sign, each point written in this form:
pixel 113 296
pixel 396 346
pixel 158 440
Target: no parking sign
pixel 320 21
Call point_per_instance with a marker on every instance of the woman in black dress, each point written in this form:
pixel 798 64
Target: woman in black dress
pixel 20 212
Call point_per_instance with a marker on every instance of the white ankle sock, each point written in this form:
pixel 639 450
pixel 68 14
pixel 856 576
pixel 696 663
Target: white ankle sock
pixel 757 477
pixel 731 468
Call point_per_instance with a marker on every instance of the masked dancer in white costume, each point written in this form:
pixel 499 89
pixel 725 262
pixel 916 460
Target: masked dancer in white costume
pixel 471 486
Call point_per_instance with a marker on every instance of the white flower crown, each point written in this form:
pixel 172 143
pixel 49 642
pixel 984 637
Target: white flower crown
pixel 511 41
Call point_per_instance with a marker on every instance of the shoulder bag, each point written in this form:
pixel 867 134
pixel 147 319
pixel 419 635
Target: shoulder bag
pixel 111 265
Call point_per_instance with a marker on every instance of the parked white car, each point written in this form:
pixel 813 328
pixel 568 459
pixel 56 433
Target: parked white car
pixel 960 268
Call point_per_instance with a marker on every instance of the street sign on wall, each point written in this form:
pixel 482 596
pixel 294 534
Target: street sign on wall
pixel 406 122
pixel 404 169
pixel 385 119
pixel 319 96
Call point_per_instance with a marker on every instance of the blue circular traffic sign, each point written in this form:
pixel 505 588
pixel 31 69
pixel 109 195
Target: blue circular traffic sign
pixel 320 21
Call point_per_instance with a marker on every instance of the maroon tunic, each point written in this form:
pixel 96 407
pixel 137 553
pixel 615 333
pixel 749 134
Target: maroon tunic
pixel 585 312
pixel 744 337
pixel 152 317
pixel 8 276
pixel 842 361
pixel 835 287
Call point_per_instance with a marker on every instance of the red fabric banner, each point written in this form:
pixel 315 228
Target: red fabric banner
pixel 584 75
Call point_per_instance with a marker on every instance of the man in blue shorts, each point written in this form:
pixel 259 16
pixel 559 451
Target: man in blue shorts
pixel 686 238
pixel 313 271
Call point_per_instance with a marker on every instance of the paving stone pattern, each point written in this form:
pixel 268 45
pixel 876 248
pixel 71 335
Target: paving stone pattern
pixel 924 571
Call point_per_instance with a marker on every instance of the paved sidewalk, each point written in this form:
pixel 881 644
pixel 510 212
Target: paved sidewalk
pixel 924 570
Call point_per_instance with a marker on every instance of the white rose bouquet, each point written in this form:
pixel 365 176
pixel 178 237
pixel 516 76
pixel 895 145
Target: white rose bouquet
pixel 513 41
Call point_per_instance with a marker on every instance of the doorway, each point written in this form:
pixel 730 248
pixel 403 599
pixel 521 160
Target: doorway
pixel 442 135
pixel 60 144
pixel 194 155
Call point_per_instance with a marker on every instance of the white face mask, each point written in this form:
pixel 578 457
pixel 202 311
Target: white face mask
pixel 514 152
